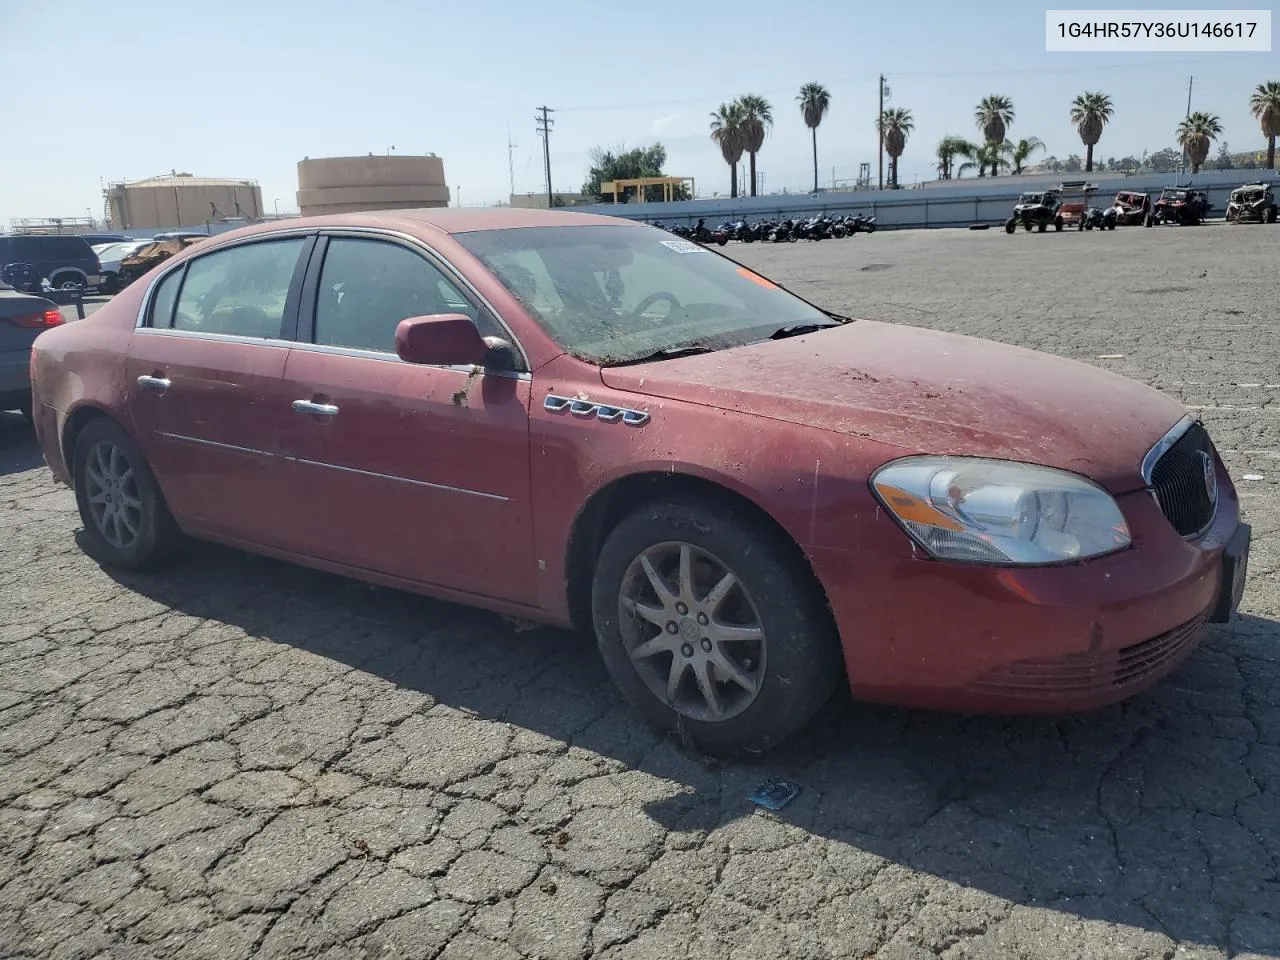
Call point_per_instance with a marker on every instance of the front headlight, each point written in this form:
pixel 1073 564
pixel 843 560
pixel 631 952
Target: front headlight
pixel 994 511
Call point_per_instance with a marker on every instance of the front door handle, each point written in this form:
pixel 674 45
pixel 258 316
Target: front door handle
pixel 156 384
pixel 318 409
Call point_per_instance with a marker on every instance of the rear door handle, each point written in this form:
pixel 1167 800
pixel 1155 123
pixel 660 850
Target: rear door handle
pixel 155 384
pixel 318 409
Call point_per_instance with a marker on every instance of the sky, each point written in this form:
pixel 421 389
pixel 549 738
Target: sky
pixel 247 89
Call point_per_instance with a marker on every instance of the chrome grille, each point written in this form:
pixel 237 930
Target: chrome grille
pixel 1187 495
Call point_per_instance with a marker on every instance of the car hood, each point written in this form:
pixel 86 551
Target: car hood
pixel 928 392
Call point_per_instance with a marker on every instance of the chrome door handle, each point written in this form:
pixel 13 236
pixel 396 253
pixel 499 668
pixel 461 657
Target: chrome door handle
pixel 158 384
pixel 319 409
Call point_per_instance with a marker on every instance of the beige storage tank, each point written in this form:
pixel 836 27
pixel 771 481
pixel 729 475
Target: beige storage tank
pixel 181 200
pixel 350 184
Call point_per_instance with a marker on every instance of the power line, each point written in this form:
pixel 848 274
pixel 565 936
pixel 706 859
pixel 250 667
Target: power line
pixel 909 75
pixel 545 123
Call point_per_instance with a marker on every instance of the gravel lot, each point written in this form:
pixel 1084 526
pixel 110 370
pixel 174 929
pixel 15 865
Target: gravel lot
pixel 238 757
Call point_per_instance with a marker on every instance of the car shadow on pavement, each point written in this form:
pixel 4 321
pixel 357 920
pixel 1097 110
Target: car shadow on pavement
pixel 19 450
pixel 1162 813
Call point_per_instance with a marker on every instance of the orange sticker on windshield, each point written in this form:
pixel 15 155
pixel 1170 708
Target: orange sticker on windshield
pixel 756 278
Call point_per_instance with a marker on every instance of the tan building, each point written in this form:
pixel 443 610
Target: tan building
pixel 181 200
pixel 350 184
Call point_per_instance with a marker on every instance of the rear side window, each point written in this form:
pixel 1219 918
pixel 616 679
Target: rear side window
pixel 163 299
pixel 240 291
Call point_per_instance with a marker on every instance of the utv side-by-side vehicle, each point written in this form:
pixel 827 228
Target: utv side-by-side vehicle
pixel 1252 203
pixel 1131 208
pixel 1036 208
pixel 1180 205
pixel 1077 210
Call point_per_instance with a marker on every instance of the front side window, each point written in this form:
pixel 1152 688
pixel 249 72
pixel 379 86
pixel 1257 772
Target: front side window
pixel 239 291
pixel 611 294
pixel 368 286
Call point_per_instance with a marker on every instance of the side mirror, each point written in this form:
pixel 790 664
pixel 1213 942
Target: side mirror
pixel 445 339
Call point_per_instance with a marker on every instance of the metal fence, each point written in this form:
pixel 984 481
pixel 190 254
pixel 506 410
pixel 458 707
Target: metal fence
pixel 955 205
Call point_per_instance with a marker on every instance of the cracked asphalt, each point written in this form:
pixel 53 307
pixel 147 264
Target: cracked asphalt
pixel 239 758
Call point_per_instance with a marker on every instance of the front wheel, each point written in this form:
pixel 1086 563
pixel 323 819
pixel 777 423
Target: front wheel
pixel 1010 225
pixel 126 520
pixel 712 628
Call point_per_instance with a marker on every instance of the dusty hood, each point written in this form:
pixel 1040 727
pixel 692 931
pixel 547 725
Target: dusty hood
pixel 929 392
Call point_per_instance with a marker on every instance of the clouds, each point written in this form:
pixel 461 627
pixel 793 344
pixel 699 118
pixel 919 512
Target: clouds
pixel 662 123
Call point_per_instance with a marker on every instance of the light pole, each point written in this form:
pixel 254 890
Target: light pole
pixel 277 205
pixel 458 191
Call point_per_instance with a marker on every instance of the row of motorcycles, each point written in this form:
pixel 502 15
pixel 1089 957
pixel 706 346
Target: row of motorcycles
pixel 774 231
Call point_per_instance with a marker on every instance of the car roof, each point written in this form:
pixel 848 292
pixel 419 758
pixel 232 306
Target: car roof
pixel 437 220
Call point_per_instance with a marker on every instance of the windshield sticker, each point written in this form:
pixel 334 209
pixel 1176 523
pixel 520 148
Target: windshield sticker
pixel 756 278
pixel 684 246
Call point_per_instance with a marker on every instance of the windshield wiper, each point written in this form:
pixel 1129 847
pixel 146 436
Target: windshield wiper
pixel 666 353
pixel 799 329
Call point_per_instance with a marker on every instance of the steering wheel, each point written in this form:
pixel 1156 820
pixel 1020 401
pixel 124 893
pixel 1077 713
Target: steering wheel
pixel 653 298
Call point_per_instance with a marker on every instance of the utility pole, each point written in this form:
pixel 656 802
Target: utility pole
pixel 511 164
pixel 879 132
pixel 1186 154
pixel 545 124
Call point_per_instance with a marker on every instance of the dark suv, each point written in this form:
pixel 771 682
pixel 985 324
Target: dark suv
pixel 67 262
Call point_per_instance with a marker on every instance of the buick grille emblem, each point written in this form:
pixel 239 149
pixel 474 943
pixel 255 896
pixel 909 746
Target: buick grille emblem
pixel 1210 477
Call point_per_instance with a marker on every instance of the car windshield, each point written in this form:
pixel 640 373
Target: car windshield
pixel 613 294
pixel 1176 194
pixel 1030 198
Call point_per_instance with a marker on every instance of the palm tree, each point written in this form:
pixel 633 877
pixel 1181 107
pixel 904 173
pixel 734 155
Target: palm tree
pixel 1265 106
pixel 948 149
pixel 1196 133
pixel 893 126
pixel 1019 153
pixel 757 119
pixel 727 131
pixel 1090 112
pixel 993 115
pixel 815 101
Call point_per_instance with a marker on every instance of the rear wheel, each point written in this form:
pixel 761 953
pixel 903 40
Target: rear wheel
pixel 1057 224
pixel 126 521
pixel 712 628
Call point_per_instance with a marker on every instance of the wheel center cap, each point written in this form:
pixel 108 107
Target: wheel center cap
pixel 689 629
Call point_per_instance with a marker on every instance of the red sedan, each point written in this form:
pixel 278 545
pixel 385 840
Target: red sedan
pixel 590 422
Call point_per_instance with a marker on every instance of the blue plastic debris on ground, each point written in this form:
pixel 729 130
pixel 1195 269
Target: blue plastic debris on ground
pixel 774 793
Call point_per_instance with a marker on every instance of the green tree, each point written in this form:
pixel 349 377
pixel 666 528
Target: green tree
pixel 1163 161
pixel 1090 112
pixel 623 164
pixel 1195 135
pixel 893 126
pixel 1072 164
pixel 1265 107
pixel 757 114
pixel 815 101
pixel 948 149
pixel 1224 160
pixel 1019 153
pixel 727 125
pixel 994 115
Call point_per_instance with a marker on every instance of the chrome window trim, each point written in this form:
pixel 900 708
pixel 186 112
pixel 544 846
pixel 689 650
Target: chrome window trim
pixel 388 476
pixel 202 335
pixel 183 438
pixel 288 233
pixel 441 262
pixel 1162 446
pixel 386 357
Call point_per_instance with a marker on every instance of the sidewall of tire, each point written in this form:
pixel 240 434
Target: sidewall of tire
pixel 159 533
pixel 804 662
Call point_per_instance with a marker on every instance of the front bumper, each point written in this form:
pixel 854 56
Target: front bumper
pixel 1062 639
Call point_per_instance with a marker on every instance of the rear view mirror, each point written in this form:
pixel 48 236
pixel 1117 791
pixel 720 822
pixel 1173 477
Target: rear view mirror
pixel 443 339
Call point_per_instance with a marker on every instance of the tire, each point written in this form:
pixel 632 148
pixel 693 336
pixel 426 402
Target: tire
pixel 1149 222
pixel 111 284
pixel 795 668
pixel 68 281
pixel 155 535
pixel 1041 227
pixel 1010 225
pixel 871 228
pixel 1057 225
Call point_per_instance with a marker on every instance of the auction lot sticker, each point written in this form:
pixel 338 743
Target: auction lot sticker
pixel 1157 31
pixel 684 246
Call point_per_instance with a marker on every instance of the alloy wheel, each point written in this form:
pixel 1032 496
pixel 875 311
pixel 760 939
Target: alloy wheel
pixel 692 631
pixel 111 488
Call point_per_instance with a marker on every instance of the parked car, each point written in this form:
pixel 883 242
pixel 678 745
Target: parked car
pixel 1180 205
pixel 1131 208
pixel 110 256
pixel 23 317
pixel 93 239
pixel 1036 208
pixel 152 253
pixel 67 262
pixel 587 421
pixel 1252 203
